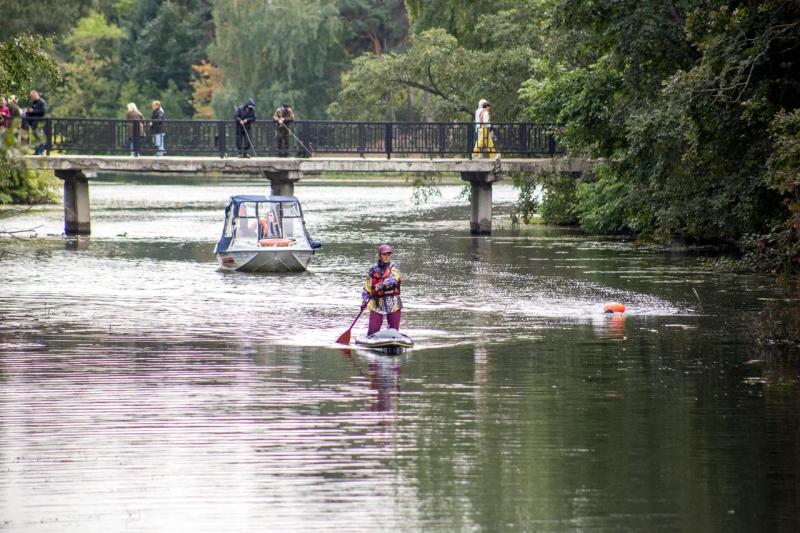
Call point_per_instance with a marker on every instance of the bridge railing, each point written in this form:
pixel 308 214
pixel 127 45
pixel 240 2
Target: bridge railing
pixel 214 137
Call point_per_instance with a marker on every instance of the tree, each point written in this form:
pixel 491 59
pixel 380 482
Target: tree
pixel 435 65
pixel 374 25
pixel 456 17
pixel 93 53
pixel 164 39
pixel 24 60
pixel 45 18
pixel 283 50
pixel 25 63
pixel 679 98
pixel 439 77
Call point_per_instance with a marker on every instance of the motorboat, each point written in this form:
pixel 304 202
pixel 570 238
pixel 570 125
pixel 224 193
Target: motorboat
pixel 388 341
pixel 264 234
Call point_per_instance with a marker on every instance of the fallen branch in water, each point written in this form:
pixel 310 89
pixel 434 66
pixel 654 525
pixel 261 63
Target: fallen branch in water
pixel 14 232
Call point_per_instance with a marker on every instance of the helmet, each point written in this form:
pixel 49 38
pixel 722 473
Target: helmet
pixel 385 249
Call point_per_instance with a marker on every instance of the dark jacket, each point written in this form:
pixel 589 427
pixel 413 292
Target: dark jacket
pixel 157 121
pixel 38 109
pixel 246 113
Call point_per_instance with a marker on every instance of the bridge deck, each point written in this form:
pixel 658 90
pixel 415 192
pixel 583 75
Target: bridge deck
pixel 90 164
pixel 77 170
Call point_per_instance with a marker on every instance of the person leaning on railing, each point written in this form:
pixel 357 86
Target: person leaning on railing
pixel 283 118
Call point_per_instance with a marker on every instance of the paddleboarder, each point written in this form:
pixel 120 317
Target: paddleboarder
pixel 381 293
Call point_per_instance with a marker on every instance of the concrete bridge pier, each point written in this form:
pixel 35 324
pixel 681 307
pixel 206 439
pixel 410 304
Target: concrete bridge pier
pixel 77 215
pixel 480 219
pixel 282 181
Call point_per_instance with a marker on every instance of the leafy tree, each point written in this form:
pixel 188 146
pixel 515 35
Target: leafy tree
pixel 283 50
pixel 24 60
pixel 678 97
pixel 93 52
pixel 374 25
pixel 434 66
pixel 456 17
pixel 45 17
pixel 439 77
pixel 206 81
pixel 164 39
pixel 25 63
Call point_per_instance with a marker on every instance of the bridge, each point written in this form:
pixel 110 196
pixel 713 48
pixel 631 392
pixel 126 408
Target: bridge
pixel 79 149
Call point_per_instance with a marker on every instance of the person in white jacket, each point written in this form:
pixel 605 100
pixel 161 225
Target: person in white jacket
pixel 483 120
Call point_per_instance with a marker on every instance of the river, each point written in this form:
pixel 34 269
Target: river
pixel 142 389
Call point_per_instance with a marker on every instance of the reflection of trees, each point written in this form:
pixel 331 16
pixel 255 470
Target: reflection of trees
pixel 662 428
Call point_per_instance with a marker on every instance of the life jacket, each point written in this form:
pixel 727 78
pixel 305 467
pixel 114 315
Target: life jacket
pixel 377 278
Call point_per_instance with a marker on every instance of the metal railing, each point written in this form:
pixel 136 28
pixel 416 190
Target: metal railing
pixel 217 137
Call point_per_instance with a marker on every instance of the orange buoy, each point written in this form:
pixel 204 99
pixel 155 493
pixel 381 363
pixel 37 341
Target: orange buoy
pixel 614 308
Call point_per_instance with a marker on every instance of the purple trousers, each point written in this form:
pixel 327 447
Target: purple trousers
pixel 376 320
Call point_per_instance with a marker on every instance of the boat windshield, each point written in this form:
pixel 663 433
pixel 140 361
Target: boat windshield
pixel 268 220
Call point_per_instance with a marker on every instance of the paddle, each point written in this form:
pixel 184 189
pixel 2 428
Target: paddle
pixel 344 338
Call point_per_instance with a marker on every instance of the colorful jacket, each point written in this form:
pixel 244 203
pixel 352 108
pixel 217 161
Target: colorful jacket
pixel 382 289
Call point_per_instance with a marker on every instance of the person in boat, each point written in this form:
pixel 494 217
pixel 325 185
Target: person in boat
pixel 381 293
pixel 270 227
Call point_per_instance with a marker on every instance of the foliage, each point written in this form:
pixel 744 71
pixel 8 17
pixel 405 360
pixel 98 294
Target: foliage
pixel 434 66
pixel 439 77
pixel 678 97
pixel 779 250
pixel 18 185
pixel 284 50
pixel 44 18
pixel 455 17
pixel 558 202
pixel 92 48
pixel 527 201
pixel 426 188
pixel 164 39
pixel 373 25
pixel 25 62
pixel 206 81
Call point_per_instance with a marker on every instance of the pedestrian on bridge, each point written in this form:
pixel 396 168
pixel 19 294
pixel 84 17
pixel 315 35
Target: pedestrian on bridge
pixel 283 118
pixel 483 122
pixel 37 110
pixel 135 128
pixel 157 127
pixel 245 117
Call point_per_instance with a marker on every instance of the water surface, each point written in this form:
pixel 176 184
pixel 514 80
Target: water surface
pixel 141 389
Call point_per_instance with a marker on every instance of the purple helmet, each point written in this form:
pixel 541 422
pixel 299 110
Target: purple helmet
pixel 385 249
